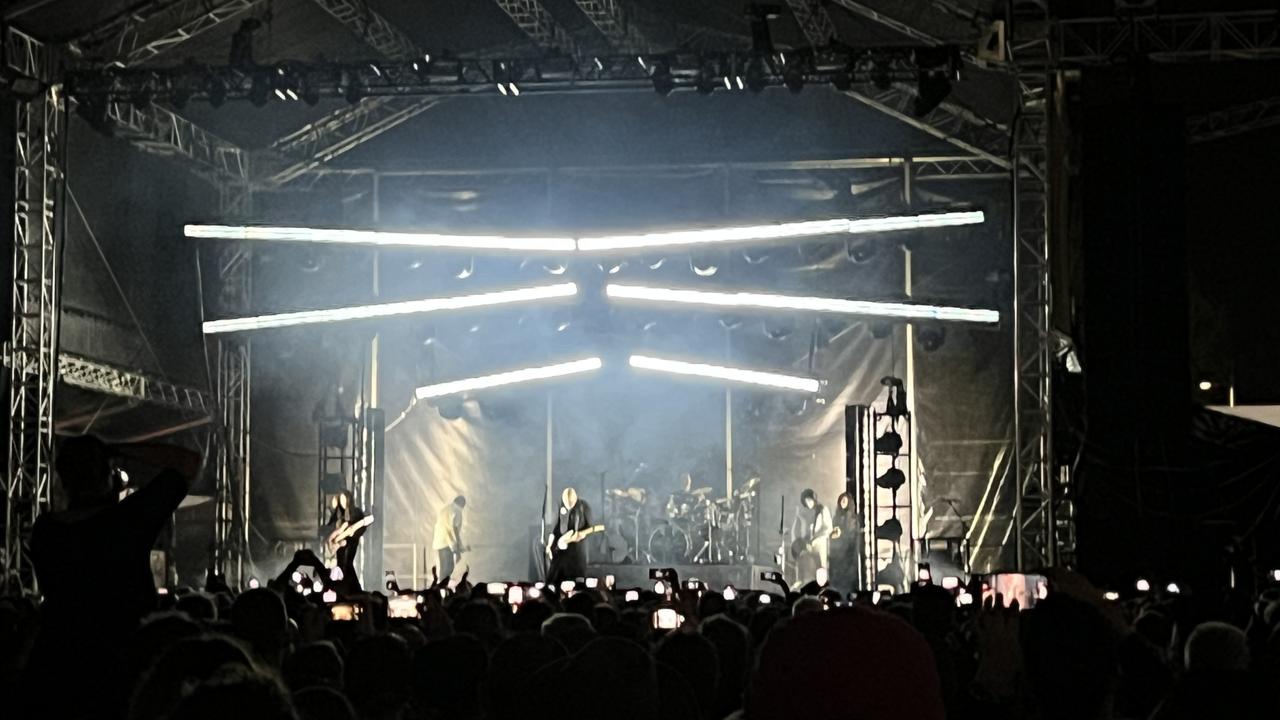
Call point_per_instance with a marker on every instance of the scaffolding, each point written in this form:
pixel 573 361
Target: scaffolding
pixel 33 333
pixel 1030 50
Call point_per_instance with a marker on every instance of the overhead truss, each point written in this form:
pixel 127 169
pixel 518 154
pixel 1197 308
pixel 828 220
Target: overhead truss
pixel 372 28
pixel 140 33
pixel 109 379
pixel 157 130
pixel 1235 120
pixel 610 18
pixel 537 22
pixel 1170 38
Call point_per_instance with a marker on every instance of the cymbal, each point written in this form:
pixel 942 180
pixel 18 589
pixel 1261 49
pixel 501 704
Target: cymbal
pixel 747 489
pixel 700 492
pixel 191 501
pixel 637 494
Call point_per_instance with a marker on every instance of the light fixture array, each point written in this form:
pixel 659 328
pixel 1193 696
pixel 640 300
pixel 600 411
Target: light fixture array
pixel 598 244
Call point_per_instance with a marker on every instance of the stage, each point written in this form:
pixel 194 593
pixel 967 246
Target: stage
pixel 637 576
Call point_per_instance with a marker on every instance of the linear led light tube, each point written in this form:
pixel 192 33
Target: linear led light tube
pixel 867 308
pixel 509 378
pixel 750 377
pixel 778 231
pixel 380 237
pixel 410 307
pixel 674 238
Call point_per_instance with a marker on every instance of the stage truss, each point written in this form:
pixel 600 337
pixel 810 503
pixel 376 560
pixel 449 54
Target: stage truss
pixel 1039 48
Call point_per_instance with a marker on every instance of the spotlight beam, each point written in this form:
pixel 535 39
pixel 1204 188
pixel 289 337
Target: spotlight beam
pixel 410 307
pixel 738 375
pixel 762 301
pixel 512 377
pixel 603 243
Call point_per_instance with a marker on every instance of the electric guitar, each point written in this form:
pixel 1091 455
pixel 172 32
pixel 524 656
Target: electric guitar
pixel 556 545
pixel 338 538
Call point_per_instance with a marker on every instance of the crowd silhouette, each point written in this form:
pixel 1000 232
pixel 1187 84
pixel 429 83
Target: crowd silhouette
pixel 103 643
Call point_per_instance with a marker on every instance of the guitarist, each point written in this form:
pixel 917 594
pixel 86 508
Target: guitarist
pixel 810 536
pixel 571 561
pixel 447 537
pixel 345 515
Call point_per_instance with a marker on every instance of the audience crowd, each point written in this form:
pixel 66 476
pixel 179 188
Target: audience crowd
pixel 290 649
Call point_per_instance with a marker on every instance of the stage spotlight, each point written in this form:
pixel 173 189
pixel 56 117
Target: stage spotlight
pixel 93 110
pixel 1173 589
pixel 410 307
pixel 891 575
pixel 1111 596
pixel 663 82
pixel 860 251
pixel 216 90
pixel 890 530
pixel 932 337
pixel 380 238
pixel 842 80
pixel 352 90
pixel 880 77
pixel 892 479
pixel 141 99
pixel 509 378
pixel 706 82
pixel 764 301
pixel 793 78
pixel 1142 585
pixel 179 96
pixel 1206 385
pixel 749 377
pixel 889 443
pixel 780 231
pixel 933 80
pixel 757 75
pixel 259 89
pixel 933 88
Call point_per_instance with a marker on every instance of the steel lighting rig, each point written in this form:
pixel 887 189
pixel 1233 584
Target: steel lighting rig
pixel 444 74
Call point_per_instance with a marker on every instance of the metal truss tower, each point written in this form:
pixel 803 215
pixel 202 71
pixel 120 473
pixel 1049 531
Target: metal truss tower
pixel 1031 53
pixel 33 332
pixel 232 480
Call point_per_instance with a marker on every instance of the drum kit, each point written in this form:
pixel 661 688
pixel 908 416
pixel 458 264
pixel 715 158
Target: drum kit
pixel 691 527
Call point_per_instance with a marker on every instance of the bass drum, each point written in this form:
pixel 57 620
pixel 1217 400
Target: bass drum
pixel 668 544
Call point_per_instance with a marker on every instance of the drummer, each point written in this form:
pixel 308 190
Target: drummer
pixel 684 500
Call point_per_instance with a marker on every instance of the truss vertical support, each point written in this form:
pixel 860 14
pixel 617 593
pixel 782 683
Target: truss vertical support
pixel 1031 53
pixel 33 344
pixel 232 483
